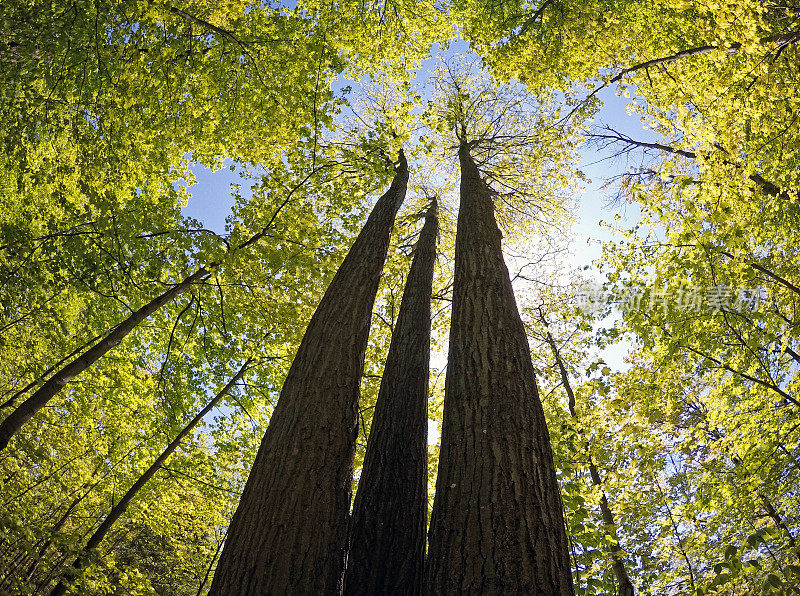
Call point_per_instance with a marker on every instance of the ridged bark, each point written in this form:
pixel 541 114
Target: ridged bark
pixel 122 505
pixel 387 537
pixel 497 525
pixel 289 531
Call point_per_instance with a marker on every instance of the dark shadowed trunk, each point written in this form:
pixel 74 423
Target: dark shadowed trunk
pixel 624 584
pixel 120 508
pixel 56 383
pixel 497 525
pixel 289 531
pixel 387 538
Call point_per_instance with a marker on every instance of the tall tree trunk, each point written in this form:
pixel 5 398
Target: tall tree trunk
pixel 497 525
pixel 56 383
pixel 387 537
pixel 289 531
pixel 120 508
pixel 624 584
pixel 20 392
pixel 45 543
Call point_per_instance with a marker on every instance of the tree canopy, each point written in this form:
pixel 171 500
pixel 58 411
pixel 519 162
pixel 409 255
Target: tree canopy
pixel 668 370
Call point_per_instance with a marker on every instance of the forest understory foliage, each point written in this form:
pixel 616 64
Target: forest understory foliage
pixel 143 353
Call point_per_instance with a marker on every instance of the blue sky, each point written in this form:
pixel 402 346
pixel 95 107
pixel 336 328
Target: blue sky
pixel 211 199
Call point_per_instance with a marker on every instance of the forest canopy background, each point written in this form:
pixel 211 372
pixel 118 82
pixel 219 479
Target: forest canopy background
pixel 680 464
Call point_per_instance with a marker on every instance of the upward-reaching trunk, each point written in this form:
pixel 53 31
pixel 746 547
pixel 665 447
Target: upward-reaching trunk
pixel 51 387
pixel 497 525
pixel 387 537
pixel 122 506
pixel 289 531
pixel 45 543
pixel 624 584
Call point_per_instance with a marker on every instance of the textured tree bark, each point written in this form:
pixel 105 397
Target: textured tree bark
pixel 56 383
pixel 387 536
pixel 120 508
pixel 289 531
pixel 497 525
pixel 624 584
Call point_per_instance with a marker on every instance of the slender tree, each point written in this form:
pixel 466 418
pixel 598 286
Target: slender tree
pixel 52 386
pixel 289 531
pixel 132 138
pixel 87 357
pixel 120 508
pixel 497 525
pixel 624 584
pixel 387 537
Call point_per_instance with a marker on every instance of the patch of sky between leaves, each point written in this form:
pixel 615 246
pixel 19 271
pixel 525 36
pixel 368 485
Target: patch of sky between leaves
pixel 212 199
